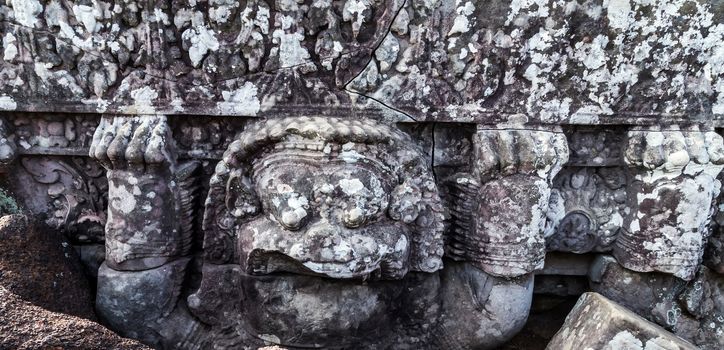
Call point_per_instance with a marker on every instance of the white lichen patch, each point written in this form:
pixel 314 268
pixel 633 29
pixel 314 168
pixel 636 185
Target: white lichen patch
pixel 289 40
pixel 619 13
pixel 143 100
pixel 387 53
pixel 351 186
pixel 613 60
pixel 462 21
pixel 518 7
pixel 588 115
pixel 87 16
pixel 177 105
pixel 294 210
pixel 26 11
pixel 441 59
pixel 121 198
pixel 101 105
pixel 351 156
pixel 367 80
pixel 241 101
pixel 57 78
pixel 270 338
pixel 655 56
pixel 556 212
pixel 718 106
pixel 221 10
pixel 356 11
pixel 624 340
pixel 199 40
pixel 10 49
pixel 7 103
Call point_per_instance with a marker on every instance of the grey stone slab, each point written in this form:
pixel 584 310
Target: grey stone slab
pixel 692 310
pixel 548 61
pixel 598 323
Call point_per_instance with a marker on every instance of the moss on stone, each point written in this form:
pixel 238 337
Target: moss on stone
pixel 8 204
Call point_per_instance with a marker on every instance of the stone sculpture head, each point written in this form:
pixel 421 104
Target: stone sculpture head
pixel 321 212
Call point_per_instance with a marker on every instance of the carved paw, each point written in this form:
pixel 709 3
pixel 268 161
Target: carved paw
pixel 514 169
pixel 501 153
pixel 671 198
pixel 669 154
pixel 148 232
pixel 122 142
pixel 150 199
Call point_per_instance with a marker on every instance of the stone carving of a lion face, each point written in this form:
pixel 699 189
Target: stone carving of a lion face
pixel 312 225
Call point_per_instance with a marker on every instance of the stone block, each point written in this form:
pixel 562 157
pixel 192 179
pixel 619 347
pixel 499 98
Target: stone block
pixel 598 323
pixel 692 310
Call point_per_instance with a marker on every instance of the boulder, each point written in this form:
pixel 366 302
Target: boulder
pixel 27 326
pixel 692 310
pixel 598 323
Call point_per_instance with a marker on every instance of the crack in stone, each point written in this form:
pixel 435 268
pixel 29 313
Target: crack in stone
pixel 372 54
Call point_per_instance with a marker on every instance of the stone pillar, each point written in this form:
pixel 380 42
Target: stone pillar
pixel 149 229
pixel 497 219
pixel 673 174
pixel 515 169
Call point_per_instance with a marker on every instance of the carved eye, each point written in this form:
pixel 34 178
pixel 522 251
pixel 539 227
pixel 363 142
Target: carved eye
pixel 291 210
pixel 353 217
pixel 291 219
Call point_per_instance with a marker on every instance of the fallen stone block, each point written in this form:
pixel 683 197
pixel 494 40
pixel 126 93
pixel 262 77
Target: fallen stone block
pixel 598 323
pixel 692 310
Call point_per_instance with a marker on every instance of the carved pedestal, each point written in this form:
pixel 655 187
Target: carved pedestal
pixel 149 229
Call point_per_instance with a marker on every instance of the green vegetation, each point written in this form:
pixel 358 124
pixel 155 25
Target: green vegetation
pixel 7 204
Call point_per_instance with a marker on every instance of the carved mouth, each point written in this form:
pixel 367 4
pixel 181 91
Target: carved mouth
pixel 267 339
pixel 307 310
pixel 261 262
